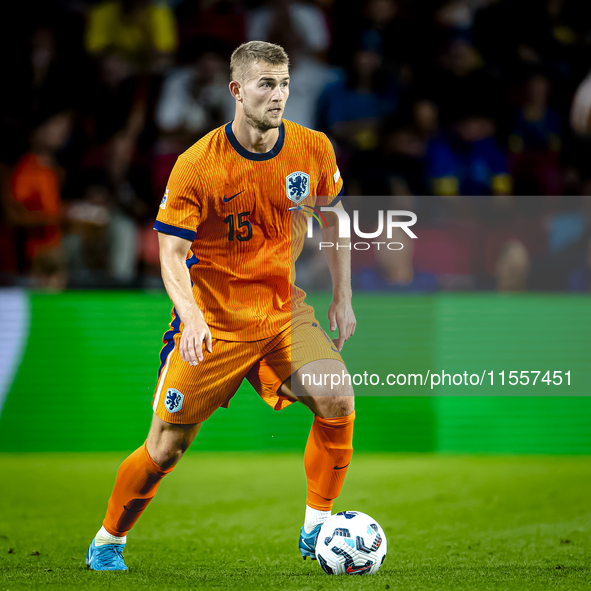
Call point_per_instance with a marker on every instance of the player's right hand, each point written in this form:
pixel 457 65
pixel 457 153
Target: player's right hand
pixel 191 347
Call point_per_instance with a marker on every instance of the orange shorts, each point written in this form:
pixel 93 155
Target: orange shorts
pixel 188 394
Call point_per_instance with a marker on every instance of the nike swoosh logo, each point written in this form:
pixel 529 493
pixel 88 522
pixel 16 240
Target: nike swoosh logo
pixel 230 198
pixel 307 545
pixel 357 569
pixel 341 467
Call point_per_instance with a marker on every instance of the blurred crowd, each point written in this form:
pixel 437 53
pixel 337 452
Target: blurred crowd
pixel 457 110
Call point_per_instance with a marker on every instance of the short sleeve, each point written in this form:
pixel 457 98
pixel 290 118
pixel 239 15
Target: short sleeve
pixel 180 209
pixel 330 186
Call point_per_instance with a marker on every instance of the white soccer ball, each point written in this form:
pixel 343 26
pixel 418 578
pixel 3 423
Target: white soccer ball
pixel 351 543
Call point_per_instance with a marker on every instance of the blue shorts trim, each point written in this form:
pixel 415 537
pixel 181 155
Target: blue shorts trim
pixel 168 340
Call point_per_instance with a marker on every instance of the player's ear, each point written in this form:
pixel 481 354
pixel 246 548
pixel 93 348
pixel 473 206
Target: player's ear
pixel 235 90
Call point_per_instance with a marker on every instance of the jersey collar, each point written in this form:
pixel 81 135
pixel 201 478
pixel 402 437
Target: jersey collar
pixel 253 155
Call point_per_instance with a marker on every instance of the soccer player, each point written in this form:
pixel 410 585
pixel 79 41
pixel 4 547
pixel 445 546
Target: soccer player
pixel 231 225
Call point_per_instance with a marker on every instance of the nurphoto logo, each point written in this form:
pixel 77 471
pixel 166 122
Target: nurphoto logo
pixel 392 220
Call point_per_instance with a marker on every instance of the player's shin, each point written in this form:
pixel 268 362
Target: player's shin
pixel 137 481
pixel 327 457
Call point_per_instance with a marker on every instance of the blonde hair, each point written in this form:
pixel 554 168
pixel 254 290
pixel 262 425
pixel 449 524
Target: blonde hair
pixel 255 51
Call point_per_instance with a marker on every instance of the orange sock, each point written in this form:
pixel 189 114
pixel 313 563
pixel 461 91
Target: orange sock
pixel 137 481
pixel 328 453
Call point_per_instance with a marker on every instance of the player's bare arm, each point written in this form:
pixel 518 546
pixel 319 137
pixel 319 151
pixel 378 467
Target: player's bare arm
pixel 340 312
pixel 173 254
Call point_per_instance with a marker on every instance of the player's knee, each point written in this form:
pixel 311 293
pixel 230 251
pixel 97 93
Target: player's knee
pixel 166 451
pixel 166 456
pixel 335 406
pixel 345 405
pixel 167 443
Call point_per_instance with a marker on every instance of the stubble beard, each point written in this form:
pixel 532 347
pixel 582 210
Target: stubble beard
pixel 262 124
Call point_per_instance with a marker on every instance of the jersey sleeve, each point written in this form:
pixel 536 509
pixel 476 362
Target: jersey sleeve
pixel 180 209
pixel 330 185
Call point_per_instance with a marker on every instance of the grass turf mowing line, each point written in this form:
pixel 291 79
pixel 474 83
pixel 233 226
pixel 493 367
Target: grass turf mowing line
pixel 232 521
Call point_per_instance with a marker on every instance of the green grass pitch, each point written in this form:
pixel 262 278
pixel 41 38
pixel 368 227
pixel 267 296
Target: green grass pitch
pixel 231 521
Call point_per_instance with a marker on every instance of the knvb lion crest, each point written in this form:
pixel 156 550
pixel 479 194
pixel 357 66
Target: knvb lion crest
pixel 174 400
pixel 297 186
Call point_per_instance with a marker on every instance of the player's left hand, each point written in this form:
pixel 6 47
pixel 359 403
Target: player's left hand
pixel 341 316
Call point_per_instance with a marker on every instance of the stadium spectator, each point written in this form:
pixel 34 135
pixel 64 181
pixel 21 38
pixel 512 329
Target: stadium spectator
pixel 458 15
pixel 425 117
pixel 460 82
pixel 352 110
pixel 142 32
pixel 38 74
pixel 120 180
pixel 467 160
pixel 535 141
pixel 86 239
pixel 194 99
pixel 392 26
pixel 222 20
pixel 309 76
pixel 396 165
pixel 565 264
pixel 48 76
pixel 35 204
pixel 512 268
pixel 302 30
pixel 302 21
pixel 495 34
pixel 427 99
pixel 113 100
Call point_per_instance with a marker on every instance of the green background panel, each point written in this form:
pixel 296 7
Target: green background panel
pixel 89 370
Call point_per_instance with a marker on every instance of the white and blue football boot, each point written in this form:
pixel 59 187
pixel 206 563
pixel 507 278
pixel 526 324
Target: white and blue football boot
pixel 307 543
pixel 105 557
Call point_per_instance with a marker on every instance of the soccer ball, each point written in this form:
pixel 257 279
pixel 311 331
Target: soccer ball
pixel 351 543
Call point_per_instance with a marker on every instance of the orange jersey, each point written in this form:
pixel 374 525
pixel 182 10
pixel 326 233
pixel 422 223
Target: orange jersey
pixel 234 206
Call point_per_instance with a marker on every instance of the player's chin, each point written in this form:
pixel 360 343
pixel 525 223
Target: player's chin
pixel 274 119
